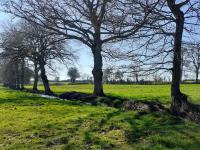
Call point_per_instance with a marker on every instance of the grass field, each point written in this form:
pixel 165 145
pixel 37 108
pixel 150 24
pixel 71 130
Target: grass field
pixel 145 92
pixel 30 122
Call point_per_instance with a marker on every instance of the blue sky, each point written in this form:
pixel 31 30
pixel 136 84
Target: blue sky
pixel 3 18
pixel 84 63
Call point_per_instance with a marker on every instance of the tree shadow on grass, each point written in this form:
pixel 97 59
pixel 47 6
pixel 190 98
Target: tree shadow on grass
pixel 78 98
pixel 139 129
pixel 153 130
pixel 14 97
pixel 162 129
pixel 157 129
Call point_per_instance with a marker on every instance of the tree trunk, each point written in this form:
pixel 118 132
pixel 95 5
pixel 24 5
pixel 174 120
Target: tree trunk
pixel 97 70
pixel 35 85
pixel 17 84
pixel 197 75
pixel 136 78
pixel 73 80
pixel 179 100
pixel 45 80
pixel 22 74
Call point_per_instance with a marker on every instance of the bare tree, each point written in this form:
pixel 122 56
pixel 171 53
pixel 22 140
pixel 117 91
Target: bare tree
pixel 94 23
pixel 44 47
pixel 177 15
pixel 107 74
pixel 193 58
pixel 73 74
pixel 14 54
pixel 119 76
pixel 9 75
pixel 57 79
pixel 162 45
pixel 26 40
pixel 178 99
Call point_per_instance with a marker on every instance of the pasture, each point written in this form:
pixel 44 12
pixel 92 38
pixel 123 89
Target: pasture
pixel 29 121
pixel 159 93
pixel 92 41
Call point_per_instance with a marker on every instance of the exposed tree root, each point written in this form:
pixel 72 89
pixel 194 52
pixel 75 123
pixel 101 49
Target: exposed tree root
pixel 183 108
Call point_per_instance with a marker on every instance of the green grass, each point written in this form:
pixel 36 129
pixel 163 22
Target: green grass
pixel 144 92
pixel 31 122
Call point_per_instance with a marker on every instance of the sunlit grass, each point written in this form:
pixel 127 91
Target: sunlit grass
pixel 31 122
pixel 145 92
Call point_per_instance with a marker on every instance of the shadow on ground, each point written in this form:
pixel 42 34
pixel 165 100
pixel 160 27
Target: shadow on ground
pixel 60 124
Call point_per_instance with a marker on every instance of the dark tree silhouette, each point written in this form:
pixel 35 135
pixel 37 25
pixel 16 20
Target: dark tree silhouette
pixel 192 56
pixel 13 54
pixel 73 74
pixel 44 46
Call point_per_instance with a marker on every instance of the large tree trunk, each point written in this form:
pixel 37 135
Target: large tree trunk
pixel 45 80
pixel 97 70
pixel 180 105
pixel 179 100
pixel 36 70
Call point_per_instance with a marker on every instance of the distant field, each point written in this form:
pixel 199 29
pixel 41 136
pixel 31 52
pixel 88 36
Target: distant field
pixel 30 122
pixel 145 92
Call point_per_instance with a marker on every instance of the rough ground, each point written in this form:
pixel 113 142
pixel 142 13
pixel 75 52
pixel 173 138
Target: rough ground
pixel 115 102
pixel 127 104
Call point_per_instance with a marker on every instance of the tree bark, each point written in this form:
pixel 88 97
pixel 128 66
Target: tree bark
pixel 22 74
pixel 136 78
pixel 97 70
pixel 45 80
pixel 17 84
pixel 35 85
pixel 197 75
pixel 179 100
